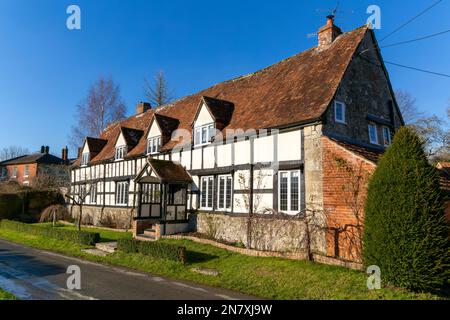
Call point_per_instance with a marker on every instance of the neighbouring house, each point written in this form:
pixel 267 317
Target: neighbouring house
pixel 26 169
pixel 274 143
pixel 444 170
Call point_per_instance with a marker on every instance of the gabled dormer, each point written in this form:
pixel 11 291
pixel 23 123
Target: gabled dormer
pixel 160 132
pixel 212 115
pixel 91 148
pixel 126 141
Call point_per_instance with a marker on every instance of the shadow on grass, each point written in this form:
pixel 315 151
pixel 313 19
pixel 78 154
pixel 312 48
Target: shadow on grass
pixel 198 257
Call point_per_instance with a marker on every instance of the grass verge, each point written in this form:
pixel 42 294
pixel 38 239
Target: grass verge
pixel 271 278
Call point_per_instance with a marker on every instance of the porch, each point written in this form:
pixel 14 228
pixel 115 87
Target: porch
pixel 162 200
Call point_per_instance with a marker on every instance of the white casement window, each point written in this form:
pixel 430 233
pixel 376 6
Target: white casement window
pixel 206 193
pixel 14 173
pixel 153 145
pixel 85 159
pixel 120 153
pixel 224 192
pixel 339 112
pixel 373 133
pixel 26 171
pixel 204 134
pixel 289 191
pixel 93 194
pixel 387 140
pixel 122 193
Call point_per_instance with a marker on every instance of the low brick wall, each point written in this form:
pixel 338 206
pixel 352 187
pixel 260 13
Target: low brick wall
pixel 115 218
pixel 275 235
pixel 299 255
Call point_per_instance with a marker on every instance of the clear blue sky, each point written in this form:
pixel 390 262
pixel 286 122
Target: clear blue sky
pixel 45 69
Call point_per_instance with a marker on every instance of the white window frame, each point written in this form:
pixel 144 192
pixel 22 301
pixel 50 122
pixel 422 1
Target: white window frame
pixel 84 159
pixel 388 138
pixel 289 191
pixel 26 171
pixel 375 127
pixel 344 108
pixel 209 130
pixel 122 193
pixel 120 153
pixel 228 179
pixel 14 172
pixel 205 193
pixel 153 145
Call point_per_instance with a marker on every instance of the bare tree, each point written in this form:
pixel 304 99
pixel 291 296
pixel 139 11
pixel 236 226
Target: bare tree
pixel 12 152
pixel 408 107
pixel 431 129
pixel 102 106
pixel 158 93
pixel 79 199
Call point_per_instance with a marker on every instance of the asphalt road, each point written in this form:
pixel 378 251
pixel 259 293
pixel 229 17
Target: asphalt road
pixel 32 274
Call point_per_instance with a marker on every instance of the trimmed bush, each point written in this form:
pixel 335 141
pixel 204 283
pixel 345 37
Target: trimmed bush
pixel 405 232
pixel 153 249
pixel 83 237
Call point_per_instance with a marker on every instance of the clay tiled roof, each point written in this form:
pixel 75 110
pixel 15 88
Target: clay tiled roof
pixel 168 171
pixel 166 124
pixel 132 136
pixel 221 110
pixel 372 154
pixel 296 90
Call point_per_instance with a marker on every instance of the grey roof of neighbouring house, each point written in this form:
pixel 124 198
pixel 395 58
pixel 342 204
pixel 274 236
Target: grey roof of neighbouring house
pixel 44 158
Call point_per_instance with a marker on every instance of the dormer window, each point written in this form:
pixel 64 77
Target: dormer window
pixel 153 145
pixel 339 112
pixel 85 159
pixel 203 134
pixel 120 153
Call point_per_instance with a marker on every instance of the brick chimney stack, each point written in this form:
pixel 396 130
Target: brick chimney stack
pixel 143 107
pixel 328 33
pixel 65 154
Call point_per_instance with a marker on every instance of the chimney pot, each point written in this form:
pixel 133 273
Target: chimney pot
pixel 47 150
pixel 328 33
pixel 42 149
pixel 143 107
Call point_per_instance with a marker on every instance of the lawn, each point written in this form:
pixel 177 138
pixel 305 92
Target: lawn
pixel 272 278
pixel 6 295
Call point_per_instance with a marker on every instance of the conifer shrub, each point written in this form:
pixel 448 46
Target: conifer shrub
pixel 405 231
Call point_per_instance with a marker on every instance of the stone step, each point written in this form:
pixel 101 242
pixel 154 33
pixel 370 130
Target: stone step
pixel 96 252
pixel 144 237
pixel 150 232
pixel 109 247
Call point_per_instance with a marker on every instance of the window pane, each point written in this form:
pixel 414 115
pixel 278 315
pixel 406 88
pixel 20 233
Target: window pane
pixel 283 191
pixel 197 140
pixel 339 112
pixel 294 191
pixel 228 197
pixel 204 135
pixel 210 132
pixel 210 192
pixel 221 192
pixel 203 192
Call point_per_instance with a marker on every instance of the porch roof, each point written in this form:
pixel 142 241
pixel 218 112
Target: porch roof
pixel 166 172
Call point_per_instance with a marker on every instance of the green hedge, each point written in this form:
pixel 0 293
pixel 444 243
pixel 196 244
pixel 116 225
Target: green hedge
pixel 83 237
pixel 154 249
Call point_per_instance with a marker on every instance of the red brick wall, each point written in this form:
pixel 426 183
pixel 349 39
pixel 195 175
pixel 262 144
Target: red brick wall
pixel 20 173
pixel 340 203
